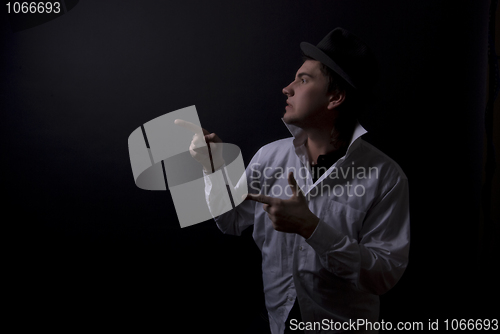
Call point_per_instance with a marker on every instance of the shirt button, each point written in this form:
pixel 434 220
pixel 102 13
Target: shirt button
pixel 301 248
pixel 290 299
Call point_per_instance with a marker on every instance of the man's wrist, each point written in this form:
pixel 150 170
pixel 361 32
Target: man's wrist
pixel 309 227
pixel 218 164
pixel 208 167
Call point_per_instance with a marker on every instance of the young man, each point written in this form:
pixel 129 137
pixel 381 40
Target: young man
pixel 330 211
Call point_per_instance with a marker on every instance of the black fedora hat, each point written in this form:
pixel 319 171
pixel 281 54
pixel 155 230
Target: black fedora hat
pixel 347 56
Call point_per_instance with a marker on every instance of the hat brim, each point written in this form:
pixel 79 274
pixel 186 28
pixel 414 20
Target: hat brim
pixel 316 53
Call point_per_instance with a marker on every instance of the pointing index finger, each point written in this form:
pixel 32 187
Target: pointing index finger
pixel 260 198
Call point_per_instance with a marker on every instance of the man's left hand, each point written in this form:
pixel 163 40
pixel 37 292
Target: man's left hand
pixel 289 215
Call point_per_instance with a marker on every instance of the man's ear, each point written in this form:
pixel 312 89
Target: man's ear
pixel 336 99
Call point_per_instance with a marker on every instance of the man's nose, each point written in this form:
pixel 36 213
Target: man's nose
pixel 288 90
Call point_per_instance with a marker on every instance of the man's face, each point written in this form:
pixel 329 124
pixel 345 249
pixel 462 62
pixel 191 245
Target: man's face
pixel 307 97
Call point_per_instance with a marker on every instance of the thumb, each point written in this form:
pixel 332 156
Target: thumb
pixel 296 191
pixel 212 138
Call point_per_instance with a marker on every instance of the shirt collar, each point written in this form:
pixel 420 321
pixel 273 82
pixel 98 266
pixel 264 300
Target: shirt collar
pixel 300 136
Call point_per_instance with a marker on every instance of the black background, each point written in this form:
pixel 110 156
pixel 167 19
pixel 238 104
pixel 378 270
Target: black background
pixel 88 247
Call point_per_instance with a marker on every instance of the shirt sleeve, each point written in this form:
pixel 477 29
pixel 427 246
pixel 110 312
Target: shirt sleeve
pixel 234 221
pixel 377 259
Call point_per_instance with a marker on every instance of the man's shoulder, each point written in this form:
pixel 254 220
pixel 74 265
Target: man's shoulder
pixel 375 158
pixel 278 145
pixel 274 150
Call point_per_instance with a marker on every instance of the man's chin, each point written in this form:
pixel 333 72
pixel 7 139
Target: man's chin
pixel 292 121
pixel 288 119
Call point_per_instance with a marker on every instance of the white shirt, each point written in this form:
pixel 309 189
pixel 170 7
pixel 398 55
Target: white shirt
pixel 359 249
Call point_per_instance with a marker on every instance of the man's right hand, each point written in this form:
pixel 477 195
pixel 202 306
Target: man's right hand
pixel 199 149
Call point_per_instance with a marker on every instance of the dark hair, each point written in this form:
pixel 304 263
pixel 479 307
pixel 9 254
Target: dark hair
pixel 349 110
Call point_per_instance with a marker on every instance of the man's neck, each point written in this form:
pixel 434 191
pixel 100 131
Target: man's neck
pixel 318 143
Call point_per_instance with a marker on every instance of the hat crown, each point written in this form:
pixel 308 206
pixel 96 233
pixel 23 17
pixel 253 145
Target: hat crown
pixel 348 56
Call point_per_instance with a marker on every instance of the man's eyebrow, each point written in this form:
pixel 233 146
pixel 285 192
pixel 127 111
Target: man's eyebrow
pixel 301 74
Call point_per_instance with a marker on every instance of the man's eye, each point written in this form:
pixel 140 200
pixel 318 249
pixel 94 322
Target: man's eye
pixel 303 80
